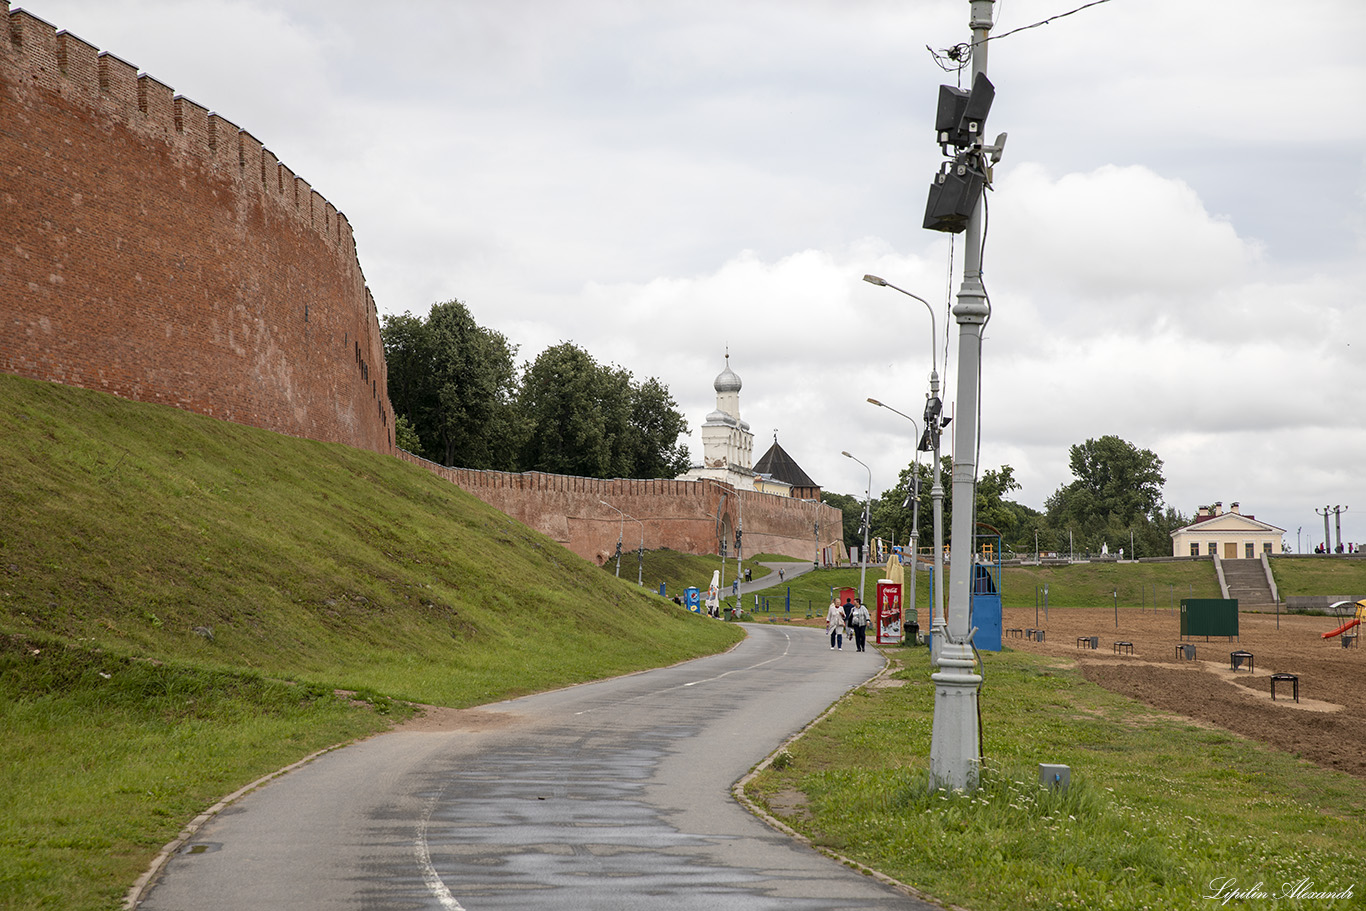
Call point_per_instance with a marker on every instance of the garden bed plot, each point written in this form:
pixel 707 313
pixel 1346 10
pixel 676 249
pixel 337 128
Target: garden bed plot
pixel 1328 727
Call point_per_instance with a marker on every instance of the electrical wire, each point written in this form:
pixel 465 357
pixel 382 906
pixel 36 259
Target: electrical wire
pixel 1042 22
pixel 948 302
pixel 956 58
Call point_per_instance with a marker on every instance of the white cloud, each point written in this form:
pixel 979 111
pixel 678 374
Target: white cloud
pixel 1174 252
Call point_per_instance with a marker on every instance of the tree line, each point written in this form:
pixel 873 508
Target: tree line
pixel 1113 501
pixel 460 399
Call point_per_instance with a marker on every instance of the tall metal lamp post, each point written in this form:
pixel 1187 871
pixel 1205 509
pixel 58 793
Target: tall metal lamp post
pixel 621 529
pixel 929 442
pixel 915 518
pixel 955 744
pixel 640 553
pixel 863 561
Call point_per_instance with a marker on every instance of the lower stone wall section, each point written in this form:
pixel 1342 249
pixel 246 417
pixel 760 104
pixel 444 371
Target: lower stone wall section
pixel 686 516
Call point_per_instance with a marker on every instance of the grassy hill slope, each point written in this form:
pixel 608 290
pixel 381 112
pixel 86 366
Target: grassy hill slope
pixel 129 525
pixel 316 567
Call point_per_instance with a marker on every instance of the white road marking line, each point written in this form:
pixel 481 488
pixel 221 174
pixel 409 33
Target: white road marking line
pixel 786 649
pixel 430 877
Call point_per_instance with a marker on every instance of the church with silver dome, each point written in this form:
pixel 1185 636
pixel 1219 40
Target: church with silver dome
pixel 727 443
pixel 728 450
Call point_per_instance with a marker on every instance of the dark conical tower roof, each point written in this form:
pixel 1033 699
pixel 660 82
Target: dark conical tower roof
pixel 783 467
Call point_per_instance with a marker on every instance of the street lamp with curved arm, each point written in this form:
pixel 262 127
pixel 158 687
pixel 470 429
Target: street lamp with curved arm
pixel 915 509
pixel 640 554
pixel 903 414
pixel 933 424
pixel 863 563
pixel 934 332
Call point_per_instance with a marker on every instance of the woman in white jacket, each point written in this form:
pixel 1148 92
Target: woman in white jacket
pixel 834 625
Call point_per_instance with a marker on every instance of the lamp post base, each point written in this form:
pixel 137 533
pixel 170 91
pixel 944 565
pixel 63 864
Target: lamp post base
pixel 937 631
pixel 955 749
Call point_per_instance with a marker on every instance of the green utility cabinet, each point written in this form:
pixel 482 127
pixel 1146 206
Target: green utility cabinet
pixel 1209 617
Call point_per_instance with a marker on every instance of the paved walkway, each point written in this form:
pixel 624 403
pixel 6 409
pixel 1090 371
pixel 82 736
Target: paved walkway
pixel 607 796
pixel 790 571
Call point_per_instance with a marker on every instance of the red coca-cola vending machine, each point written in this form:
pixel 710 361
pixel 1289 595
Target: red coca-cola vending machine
pixel 889 620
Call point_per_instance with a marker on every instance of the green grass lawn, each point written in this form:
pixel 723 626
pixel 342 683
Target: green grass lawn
pixel 1096 584
pixel 1317 575
pixel 1160 813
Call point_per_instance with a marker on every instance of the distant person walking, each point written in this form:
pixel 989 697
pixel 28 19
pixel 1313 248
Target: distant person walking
pixel 834 625
pixel 859 620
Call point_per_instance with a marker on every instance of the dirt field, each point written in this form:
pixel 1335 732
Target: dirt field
pixel 1327 726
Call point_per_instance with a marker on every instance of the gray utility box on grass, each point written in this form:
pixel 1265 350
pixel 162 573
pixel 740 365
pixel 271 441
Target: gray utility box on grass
pixel 1057 777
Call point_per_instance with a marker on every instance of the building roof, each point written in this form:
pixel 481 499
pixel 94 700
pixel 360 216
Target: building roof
pixel 1226 522
pixel 780 465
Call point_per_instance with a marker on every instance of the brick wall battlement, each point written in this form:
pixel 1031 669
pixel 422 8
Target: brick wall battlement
pixel 153 249
pixel 687 516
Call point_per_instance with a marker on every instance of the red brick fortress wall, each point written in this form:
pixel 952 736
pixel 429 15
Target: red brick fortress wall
pixel 680 515
pixel 151 249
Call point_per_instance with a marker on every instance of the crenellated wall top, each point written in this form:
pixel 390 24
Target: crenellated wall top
pixel 57 61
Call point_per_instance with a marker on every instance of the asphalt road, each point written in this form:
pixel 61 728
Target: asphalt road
pixel 605 796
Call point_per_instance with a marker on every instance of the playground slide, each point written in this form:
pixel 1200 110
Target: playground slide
pixel 1341 629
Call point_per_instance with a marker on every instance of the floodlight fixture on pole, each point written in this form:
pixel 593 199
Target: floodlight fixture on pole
pixel 915 526
pixel 621 528
pixel 863 561
pixel 929 442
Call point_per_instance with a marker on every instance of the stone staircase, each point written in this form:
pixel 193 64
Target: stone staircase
pixel 1246 581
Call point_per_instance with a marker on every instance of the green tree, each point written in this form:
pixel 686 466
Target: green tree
pixel 408 355
pixel 566 428
pixel 475 381
pixel 851 511
pixel 405 436
pixel 593 420
pixel 453 380
pixel 1115 496
pixel 893 511
pixel 656 425
pixel 994 509
pixel 1112 477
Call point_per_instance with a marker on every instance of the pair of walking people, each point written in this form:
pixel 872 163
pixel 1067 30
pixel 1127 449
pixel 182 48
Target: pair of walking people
pixel 851 619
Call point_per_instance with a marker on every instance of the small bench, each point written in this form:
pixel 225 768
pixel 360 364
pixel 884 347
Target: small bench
pixel 1186 651
pixel 1236 659
pixel 1015 631
pixel 1035 634
pixel 1088 642
pixel 1292 679
pixel 1123 648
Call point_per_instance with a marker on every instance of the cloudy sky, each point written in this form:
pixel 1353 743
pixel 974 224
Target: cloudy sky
pixel 1175 252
